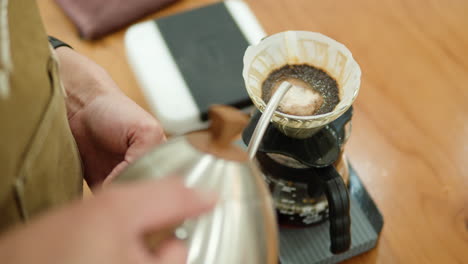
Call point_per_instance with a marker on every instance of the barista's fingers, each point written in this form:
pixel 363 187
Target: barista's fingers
pixel 171 252
pixel 138 148
pixel 155 204
pixel 141 139
pixel 116 171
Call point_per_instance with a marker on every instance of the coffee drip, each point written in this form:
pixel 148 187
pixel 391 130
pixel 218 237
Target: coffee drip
pixel 301 152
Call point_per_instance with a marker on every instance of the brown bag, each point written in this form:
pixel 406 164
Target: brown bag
pixel 96 18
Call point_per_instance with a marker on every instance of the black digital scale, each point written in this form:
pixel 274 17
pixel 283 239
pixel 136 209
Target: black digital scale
pixel 186 62
pixel 312 244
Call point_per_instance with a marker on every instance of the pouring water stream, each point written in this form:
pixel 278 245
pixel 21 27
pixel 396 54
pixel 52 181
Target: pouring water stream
pixel 266 118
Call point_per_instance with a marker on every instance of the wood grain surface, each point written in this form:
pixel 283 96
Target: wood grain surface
pixel 410 129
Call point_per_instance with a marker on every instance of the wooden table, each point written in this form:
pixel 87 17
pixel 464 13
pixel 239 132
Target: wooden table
pixel 410 129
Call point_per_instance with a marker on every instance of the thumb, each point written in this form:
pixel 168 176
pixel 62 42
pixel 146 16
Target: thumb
pixel 115 172
pixel 141 141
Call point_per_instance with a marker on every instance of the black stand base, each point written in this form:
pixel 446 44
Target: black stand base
pixel 312 245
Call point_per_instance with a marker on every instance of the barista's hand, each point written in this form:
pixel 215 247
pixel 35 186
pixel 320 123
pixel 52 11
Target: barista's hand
pixel 109 228
pixel 110 129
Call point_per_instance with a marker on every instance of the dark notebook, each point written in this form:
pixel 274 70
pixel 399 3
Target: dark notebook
pixel 208 48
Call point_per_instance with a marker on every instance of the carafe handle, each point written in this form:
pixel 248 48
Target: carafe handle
pixel 338 206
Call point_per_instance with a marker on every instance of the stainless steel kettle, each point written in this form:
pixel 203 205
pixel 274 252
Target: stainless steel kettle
pixel 242 228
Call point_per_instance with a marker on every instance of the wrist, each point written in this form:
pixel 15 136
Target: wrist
pixel 83 80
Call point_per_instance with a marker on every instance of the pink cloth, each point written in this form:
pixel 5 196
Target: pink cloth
pixel 96 18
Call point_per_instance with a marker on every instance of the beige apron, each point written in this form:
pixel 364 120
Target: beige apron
pixel 39 161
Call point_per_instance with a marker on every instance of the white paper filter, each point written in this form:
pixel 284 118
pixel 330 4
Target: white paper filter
pixel 302 47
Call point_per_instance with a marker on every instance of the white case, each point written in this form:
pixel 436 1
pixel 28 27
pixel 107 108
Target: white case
pixel 148 54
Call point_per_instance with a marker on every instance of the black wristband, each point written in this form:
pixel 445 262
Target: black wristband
pixel 56 43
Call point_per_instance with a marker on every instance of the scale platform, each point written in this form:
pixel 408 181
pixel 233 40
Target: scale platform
pixel 311 245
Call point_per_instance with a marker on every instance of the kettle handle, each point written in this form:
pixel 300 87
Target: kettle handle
pixel 226 125
pixel 338 205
